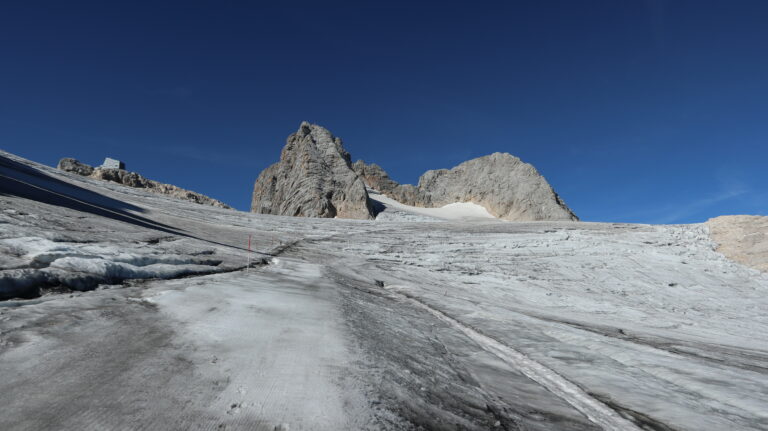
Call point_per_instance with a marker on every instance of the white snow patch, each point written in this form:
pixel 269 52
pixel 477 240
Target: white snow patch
pixel 279 337
pixel 453 211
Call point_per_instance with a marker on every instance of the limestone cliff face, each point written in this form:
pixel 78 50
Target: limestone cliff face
pixel 374 176
pixel 132 179
pixel 314 178
pixel 506 186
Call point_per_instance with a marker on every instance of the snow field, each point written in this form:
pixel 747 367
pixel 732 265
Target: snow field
pixel 395 211
pixel 649 318
pixel 497 324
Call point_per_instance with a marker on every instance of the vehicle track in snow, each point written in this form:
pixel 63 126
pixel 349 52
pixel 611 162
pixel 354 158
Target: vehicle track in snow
pixel 596 411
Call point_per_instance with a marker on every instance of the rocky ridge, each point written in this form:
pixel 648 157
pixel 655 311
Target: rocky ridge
pixel 506 186
pixel 314 178
pixel 133 179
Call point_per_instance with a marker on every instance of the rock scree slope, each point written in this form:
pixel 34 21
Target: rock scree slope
pixel 314 178
pixel 506 186
pixel 132 179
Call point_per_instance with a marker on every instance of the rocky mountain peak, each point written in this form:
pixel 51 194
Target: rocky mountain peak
pixel 506 186
pixel 312 137
pixel 313 178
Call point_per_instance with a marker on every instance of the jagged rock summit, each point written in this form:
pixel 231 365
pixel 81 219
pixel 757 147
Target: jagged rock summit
pixel 506 186
pixel 314 178
pixel 132 179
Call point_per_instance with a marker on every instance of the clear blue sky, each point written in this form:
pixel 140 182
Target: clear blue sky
pixel 635 111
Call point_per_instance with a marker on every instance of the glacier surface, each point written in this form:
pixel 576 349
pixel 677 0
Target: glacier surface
pixel 143 314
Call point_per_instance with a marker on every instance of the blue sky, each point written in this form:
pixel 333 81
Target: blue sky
pixel 635 111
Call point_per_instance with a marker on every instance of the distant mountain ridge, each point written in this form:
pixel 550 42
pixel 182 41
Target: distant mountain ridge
pixel 132 179
pixel 506 186
pixel 315 178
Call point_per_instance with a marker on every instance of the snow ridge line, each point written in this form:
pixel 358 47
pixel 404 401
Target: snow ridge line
pixel 596 411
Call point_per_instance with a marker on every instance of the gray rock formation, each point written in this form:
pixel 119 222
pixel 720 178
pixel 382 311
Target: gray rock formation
pixel 313 178
pixel 506 186
pixel 374 176
pixel 75 166
pixel 132 179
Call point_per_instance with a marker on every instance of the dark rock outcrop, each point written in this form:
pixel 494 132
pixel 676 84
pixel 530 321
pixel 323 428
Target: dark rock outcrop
pixel 132 179
pixel 313 178
pixel 75 166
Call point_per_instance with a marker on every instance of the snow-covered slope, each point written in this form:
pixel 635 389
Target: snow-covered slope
pixel 365 324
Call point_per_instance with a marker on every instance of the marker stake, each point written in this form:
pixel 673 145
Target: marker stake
pixel 248 268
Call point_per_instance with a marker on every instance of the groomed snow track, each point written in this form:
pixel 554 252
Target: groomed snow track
pixel 597 412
